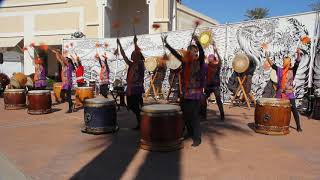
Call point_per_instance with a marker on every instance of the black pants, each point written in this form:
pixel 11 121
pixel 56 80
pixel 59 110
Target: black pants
pixel 66 96
pixel 135 102
pixel 190 109
pixel 104 89
pixel 295 112
pixel 217 94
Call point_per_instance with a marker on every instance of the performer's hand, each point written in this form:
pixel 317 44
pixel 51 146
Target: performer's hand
pixel 195 38
pixel 97 56
pixel 164 38
pixel 135 39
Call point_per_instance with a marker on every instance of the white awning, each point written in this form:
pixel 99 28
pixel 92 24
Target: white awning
pixel 10 42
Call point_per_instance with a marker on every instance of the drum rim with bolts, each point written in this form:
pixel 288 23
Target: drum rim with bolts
pixel 273 102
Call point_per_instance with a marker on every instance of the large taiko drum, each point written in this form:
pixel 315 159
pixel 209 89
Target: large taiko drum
pixel 83 93
pixel 272 116
pixel 151 63
pixel 18 80
pixel 240 63
pixel 273 76
pixel 14 99
pixel 100 116
pixel 57 91
pixel 161 127
pixel 39 102
pixel 174 63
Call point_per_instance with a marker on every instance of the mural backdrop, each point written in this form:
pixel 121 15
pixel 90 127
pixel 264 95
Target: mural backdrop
pixel 281 35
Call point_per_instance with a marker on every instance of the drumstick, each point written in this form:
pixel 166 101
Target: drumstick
pixel 196 24
pixel 116 25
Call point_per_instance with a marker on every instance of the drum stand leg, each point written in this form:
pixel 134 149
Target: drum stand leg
pixel 241 88
pixel 275 89
pixel 171 85
pixel 152 87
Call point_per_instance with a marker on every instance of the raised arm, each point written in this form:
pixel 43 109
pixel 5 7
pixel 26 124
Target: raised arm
pixel 215 49
pixel 97 56
pixel 297 62
pixel 270 62
pixel 58 56
pixel 173 51
pixel 201 51
pixel 123 53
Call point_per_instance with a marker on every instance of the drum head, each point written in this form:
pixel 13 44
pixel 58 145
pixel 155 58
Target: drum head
pixel 161 108
pixel 29 82
pixel 14 90
pixel 240 63
pixel 14 83
pixel 273 76
pixel 173 63
pixel 21 78
pixel 99 100
pixel 84 88
pixel 205 38
pixel 39 92
pixel 151 63
pixel 273 102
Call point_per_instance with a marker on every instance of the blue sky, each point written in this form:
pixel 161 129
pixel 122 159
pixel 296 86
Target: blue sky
pixel 234 10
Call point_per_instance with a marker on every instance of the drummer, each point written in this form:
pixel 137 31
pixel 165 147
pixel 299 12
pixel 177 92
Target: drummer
pixel 285 89
pixel 66 76
pixel 79 70
pixel 40 81
pixel 213 79
pixel 135 79
pixel 192 67
pixel 104 75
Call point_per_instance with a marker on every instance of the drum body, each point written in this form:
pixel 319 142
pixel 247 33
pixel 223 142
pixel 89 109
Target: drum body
pixel 100 116
pixel 57 91
pixel 83 93
pixel 161 127
pixel 39 102
pixel 14 99
pixel 272 116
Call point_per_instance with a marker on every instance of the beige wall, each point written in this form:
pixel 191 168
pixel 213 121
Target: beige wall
pixel 187 16
pixel 66 16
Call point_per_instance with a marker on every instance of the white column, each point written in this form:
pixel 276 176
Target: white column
pixel 174 16
pixel 151 4
pixel 28 66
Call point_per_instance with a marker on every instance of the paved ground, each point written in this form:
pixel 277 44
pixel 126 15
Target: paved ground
pixel 52 147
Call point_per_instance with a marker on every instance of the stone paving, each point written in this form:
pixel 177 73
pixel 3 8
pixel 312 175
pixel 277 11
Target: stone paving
pixel 52 147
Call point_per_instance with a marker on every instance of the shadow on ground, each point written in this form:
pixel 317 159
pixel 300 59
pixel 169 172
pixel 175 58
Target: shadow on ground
pixel 114 161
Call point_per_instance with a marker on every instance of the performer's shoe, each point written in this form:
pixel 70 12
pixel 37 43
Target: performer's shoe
pixel 299 129
pixel 196 142
pixel 69 111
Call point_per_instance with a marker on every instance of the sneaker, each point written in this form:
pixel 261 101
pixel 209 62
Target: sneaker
pixel 299 129
pixel 69 111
